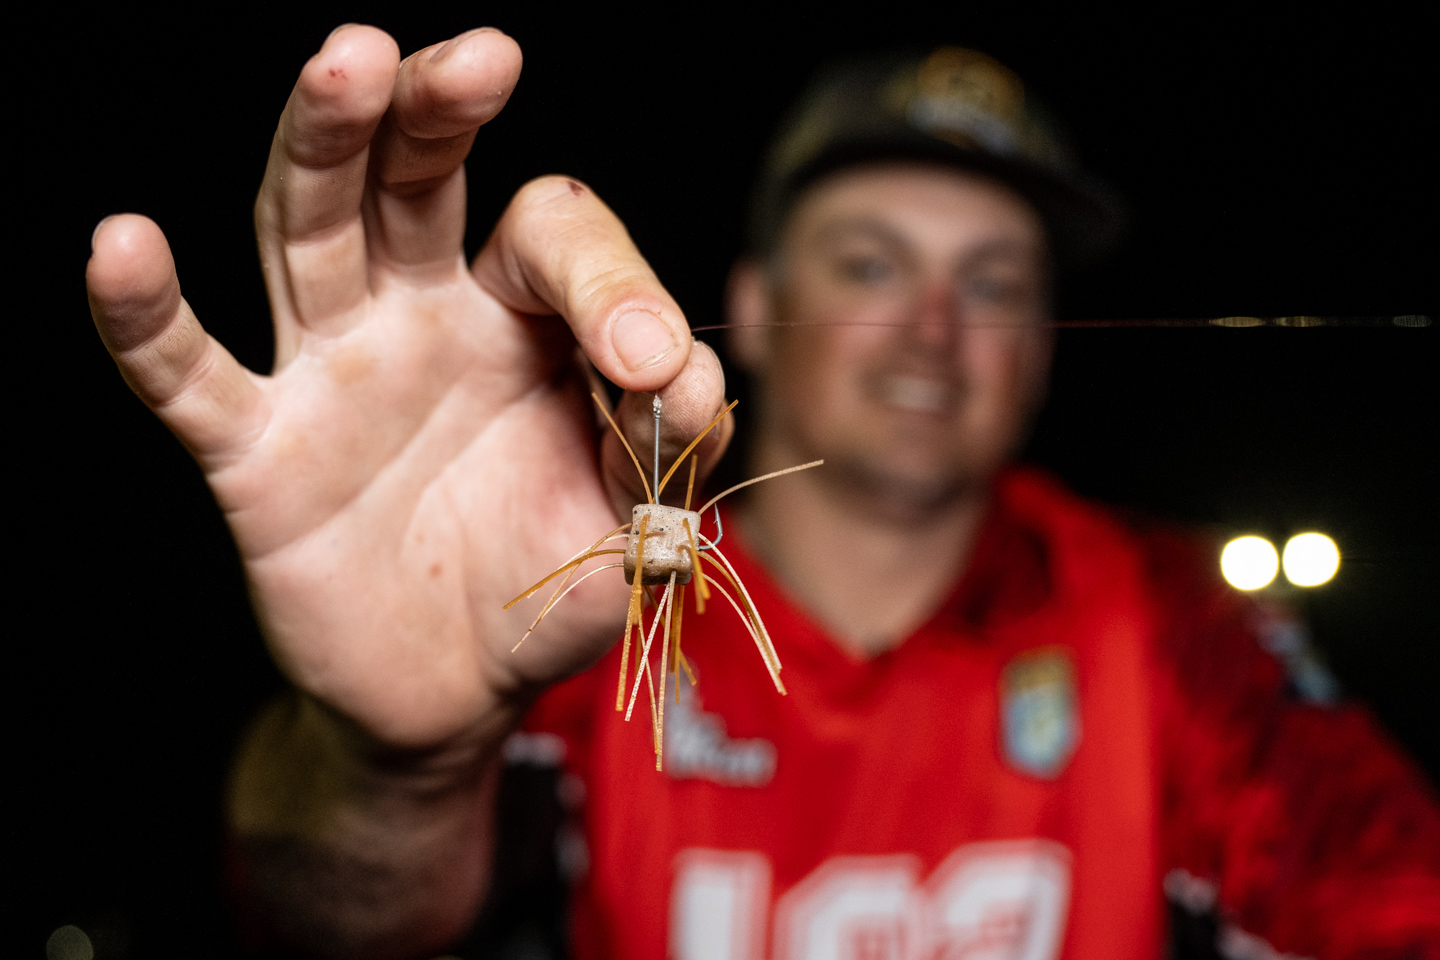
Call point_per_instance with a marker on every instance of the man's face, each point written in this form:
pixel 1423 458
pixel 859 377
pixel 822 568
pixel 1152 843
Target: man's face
pixel 920 296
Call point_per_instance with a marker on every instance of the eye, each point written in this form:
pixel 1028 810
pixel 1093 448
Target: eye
pixel 1000 291
pixel 867 270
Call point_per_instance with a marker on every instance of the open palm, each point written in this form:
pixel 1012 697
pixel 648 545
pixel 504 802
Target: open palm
pixel 424 447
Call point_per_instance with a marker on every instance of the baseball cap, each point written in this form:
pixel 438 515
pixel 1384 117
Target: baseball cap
pixel 955 107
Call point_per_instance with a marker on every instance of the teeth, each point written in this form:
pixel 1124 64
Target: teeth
pixel 917 393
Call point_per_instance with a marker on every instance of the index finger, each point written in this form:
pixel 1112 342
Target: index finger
pixel 559 250
pixel 308 214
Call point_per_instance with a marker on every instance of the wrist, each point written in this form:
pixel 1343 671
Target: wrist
pixel 302 762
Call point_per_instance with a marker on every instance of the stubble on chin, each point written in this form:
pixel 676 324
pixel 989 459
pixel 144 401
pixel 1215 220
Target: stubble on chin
pixel 898 496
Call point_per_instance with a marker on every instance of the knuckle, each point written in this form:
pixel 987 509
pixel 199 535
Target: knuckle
pixel 610 288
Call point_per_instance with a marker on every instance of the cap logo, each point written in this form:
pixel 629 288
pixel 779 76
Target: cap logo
pixel 968 99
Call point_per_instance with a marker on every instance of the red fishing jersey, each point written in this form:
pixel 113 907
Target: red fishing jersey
pixel 1090 722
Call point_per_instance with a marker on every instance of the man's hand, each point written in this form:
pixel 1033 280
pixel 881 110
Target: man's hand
pixel 425 447
pixel 423 451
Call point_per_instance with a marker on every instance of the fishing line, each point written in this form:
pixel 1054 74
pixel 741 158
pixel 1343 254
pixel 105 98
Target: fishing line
pixel 1405 321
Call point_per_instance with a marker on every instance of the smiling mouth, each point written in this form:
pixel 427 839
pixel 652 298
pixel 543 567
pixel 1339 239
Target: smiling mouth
pixel 917 394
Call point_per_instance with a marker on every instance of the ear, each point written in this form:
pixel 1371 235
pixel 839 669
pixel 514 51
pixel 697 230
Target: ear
pixel 748 311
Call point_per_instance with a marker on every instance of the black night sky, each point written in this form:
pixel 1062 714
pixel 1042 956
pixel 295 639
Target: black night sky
pixel 1274 165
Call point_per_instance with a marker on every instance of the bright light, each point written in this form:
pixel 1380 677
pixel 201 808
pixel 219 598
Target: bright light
pixel 1249 563
pixel 1311 559
pixel 69 943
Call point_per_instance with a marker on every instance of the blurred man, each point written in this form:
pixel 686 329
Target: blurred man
pixel 1013 723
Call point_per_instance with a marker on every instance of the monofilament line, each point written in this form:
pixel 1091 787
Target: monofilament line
pixel 1407 320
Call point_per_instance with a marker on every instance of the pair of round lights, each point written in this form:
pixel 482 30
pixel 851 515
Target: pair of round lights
pixel 1250 563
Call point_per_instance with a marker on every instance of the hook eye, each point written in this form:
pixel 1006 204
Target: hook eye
pixel 719 531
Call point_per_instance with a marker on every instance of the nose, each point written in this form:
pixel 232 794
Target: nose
pixel 936 316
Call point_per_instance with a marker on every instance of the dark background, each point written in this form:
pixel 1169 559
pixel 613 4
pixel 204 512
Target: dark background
pixel 1274 164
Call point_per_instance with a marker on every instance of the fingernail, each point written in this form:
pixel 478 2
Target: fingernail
pixel 453 45
pixel 641 339
pixel 96 232
pixel 343 26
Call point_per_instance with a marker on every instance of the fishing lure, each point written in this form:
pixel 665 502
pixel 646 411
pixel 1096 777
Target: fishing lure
pixel 664 546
